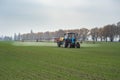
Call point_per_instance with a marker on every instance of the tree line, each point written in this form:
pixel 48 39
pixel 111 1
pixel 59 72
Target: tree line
pixel 110 31
pixel 105 33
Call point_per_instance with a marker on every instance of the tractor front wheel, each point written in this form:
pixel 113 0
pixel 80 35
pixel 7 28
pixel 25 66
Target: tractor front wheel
pixel 77 45
pixel 58 43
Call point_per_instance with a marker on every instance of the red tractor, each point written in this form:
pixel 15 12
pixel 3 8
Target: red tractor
pixel 69 40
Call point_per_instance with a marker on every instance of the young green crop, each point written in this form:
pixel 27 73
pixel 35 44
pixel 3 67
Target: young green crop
pixel 52 63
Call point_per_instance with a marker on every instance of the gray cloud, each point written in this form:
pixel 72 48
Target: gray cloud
pixel 42 15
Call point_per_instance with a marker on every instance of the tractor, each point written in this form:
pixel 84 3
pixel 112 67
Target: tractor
pixel 68 41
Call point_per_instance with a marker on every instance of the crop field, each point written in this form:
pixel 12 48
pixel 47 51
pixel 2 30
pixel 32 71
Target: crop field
pixel 45 61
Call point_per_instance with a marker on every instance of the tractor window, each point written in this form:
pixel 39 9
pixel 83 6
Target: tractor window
pixel 70 36
pixel 73 35
pixel 66 36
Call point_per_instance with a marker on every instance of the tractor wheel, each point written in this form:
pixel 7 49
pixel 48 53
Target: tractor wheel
pixel 73 45
pixel 77 45
pixel 58 44
pixel 66 44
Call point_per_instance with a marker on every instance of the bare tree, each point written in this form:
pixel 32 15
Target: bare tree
pixel 83 33
pixel 118 30
pixel 15 36
pixel 105 32
pixel 100 33
pixel 94 33
pixel 109 32
pixel 60 33
pixel 112 32
pixel 46 35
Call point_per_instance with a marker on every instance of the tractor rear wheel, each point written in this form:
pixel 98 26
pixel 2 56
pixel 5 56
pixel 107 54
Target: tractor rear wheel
pixel 66 44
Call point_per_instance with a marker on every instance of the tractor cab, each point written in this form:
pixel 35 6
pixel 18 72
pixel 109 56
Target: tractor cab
pixel 69 40
pixel 70 36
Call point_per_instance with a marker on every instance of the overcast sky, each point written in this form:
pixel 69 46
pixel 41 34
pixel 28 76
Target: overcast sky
pixel 50 15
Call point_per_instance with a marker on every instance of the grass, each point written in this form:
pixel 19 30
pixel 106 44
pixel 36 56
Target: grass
pixel 34 44
pixel 52 63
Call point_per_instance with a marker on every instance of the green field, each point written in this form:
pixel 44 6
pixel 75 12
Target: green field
pixel 99 61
